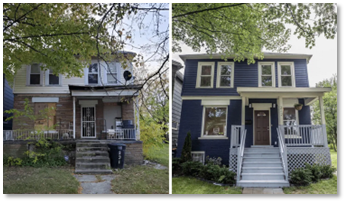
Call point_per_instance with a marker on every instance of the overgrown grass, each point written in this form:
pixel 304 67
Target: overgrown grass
pixel 189 185
pixel 141 180
pixel 322 187
pixel 334 157
pixel 159 154
pixel 28 180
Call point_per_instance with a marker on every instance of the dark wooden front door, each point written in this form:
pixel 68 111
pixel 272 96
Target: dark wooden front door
pixel 262 128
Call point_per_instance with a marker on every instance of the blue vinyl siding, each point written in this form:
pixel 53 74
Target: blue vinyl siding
pixel 304 114
pixel 244 76
pixel 8 98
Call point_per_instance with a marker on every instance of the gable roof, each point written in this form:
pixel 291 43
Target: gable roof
pixel 267 55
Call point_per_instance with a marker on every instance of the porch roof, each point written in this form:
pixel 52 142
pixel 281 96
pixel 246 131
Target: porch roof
pixel 109 90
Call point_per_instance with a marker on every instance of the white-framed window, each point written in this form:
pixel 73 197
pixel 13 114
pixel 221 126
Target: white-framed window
pixel 52 79
pixel 198 156
pixel 205 75
pixel 175 125
pixel 34 75
pixel 112 74
pixel 266 74
pixel 290 120
pixel 93 74
pixel 225 75
pixel 286 75
pixel 214 122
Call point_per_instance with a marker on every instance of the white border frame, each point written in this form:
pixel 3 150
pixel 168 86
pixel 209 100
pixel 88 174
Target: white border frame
pixel 202 129
pixel 262 107
pixel 293 76
pixel 199 71
pixel 218 79
pixel 260 73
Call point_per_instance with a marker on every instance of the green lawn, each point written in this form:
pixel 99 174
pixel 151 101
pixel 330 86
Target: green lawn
pixel 141 180
pixel 159 154
pixel 323 187
pixel 189 185
pixel 28 180
pixel 334 157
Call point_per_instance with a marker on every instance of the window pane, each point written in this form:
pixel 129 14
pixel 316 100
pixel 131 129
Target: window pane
pixel 286 80
pixel 34 79
pixel 226 70
pixel 35 68
pixel 53 79
pixel 266 80
pixel 266 69
pixel 215 121
pixel 286 70
pixel 93 79
pixel 111 69
pixel 205 81
pixel 93 68
pixel 111 78
pixel 289 114
pixel 225 81
pixel 206 70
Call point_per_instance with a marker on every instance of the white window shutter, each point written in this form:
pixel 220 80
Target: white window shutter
pixel 46 80
pixel 28 70
pixel 86 71
pixel 41 77
pixel 60 79
pixel 105 79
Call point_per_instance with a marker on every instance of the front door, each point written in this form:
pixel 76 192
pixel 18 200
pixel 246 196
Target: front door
pixel 88 122
pixel 262 128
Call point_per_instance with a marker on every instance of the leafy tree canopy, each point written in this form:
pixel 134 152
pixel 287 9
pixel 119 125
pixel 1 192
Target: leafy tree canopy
pixel 244 29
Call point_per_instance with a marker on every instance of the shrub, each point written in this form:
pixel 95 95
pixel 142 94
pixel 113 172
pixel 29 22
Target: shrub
pixel 191 168
pixel 210 172
pixel 176 165
pixel 327 171
pixel 316 171
pixel 300 176
pixel 213 160
pixel 186 152
pixel 226 176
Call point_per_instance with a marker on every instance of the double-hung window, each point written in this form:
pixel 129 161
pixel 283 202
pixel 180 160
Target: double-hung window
pixel 225 74
pixel 93 74
pixel 35 74
pixel 214 121
pixel 205 75
pixel 286 74
pixel 266 74
pixel 112 74
pixel 52 79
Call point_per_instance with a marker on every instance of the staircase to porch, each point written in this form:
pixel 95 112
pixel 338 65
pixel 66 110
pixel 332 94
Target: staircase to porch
pixel 262 167
pixel 92 157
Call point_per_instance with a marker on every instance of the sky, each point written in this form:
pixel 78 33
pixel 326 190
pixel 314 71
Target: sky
pixel 323 64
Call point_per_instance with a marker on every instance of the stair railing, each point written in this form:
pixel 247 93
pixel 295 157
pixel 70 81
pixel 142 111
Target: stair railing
pixel 241 154
pixel 283 152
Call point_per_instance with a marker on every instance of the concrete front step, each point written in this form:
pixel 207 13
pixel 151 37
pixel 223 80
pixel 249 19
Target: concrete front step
pixel 90 144
pixel 262 146
pixel 92 153
pixel 263 183
pixel 82 165
pixel 262 176
pixel 94 171
pixel 261 155
pixel 262 170
pixel 262 164
pixel 262 159
pixel 93 159
pixel 88 149
pixel 261 150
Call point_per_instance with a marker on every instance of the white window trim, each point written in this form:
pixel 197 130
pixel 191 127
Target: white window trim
pixel 199 71
pixel 260 73
pixel 292 73
pixel 28 73
pixel 116 72
pixel 218 80
pixel 199 152
pixel 213 136
pixel 98 74
pixel 47 79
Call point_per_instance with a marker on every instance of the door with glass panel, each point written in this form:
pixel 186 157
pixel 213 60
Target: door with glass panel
pixel 88 122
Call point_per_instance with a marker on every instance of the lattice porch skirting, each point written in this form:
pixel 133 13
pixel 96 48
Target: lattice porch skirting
pixel 233 159
pixel 298 156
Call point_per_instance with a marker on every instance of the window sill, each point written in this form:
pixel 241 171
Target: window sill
pixel 205 87
pixel 53 85
pixel 35 85
pixel 225 87
pixel 213 138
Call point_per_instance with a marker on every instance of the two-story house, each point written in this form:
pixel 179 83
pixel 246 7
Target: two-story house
pixel 7 103
pixel 100 105
pixel 255 117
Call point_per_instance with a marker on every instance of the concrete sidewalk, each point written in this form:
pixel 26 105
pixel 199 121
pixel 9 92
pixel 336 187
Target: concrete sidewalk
pixel 264 191
pixel 93 185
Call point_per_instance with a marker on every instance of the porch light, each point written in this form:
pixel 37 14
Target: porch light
pixel 274 105
pixel 250 105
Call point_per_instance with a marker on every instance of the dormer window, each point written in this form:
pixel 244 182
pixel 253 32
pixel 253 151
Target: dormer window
pixel 93 74
pixel 266 74
pixel 286 74
pixel 35 74
pixel 205 75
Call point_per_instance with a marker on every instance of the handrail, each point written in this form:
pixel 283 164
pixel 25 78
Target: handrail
pixel 236 131
pixel 283 152
pixel 241 154
pixel 302 135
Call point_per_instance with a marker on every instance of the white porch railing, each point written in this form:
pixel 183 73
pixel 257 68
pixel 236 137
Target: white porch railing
pixel 36 135
pixel 241 154
pixel 302 135
pixel 283 153
pixel 122 134
pixel 236 132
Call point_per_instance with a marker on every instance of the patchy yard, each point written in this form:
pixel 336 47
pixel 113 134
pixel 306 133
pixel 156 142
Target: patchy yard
pixel 28 180
pixel 159 154
pixel 323 187
pixel 141 180
pixel 189 185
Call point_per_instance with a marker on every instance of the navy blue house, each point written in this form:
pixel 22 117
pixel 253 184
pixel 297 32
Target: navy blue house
pixel 234 110
pixel 7 103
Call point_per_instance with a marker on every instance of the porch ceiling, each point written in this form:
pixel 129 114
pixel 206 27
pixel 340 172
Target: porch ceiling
pixel 101 91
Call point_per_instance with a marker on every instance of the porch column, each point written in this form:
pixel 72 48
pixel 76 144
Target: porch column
pixel 74 117
pixel 243 101
pixel 137 114
pixel 281 111
pixel 323 121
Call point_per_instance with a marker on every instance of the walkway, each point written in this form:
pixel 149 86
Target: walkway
pixel 95 184
pixel 264 191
